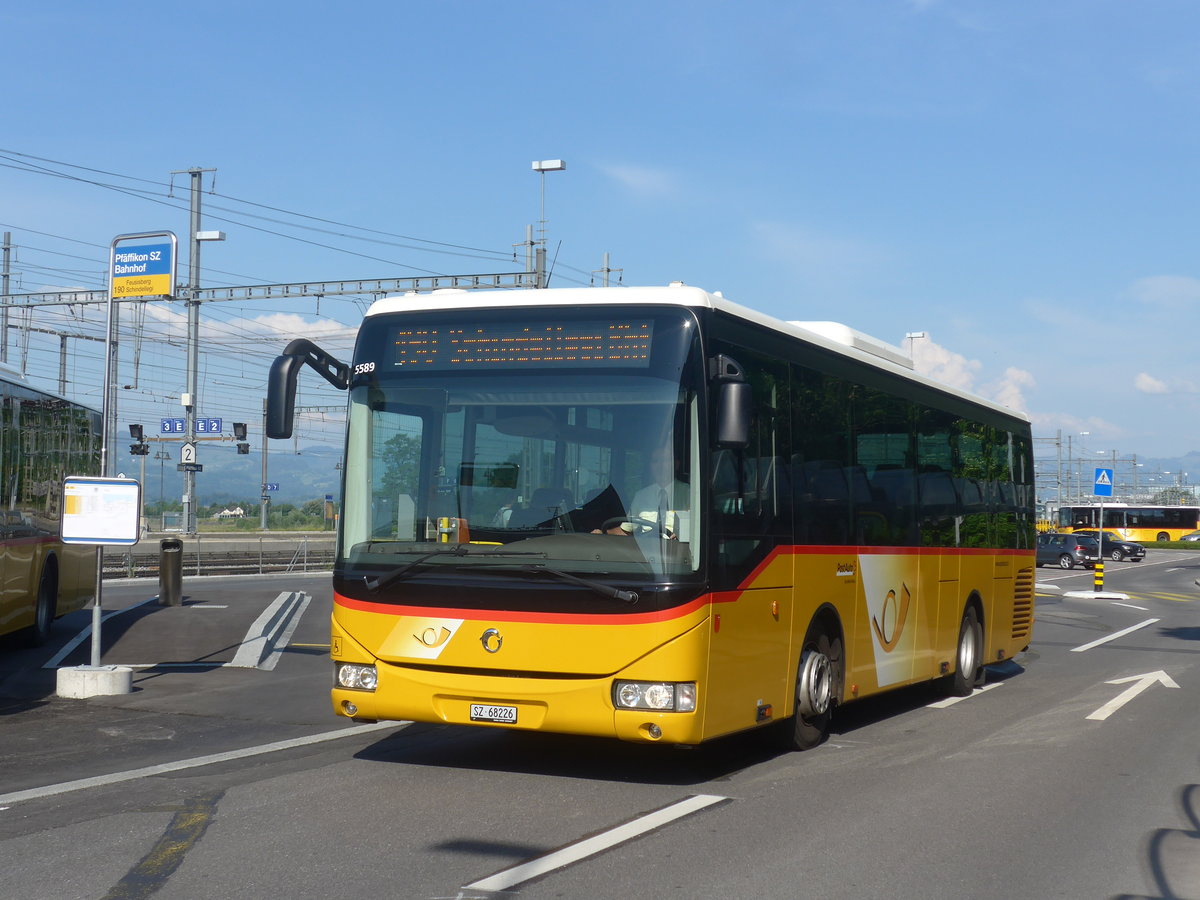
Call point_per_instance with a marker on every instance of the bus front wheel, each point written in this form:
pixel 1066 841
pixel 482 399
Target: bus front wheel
pixel 45 608
pixel 967 658
pixel 817 681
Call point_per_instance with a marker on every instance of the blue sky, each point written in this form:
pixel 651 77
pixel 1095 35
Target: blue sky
pixel 1015 179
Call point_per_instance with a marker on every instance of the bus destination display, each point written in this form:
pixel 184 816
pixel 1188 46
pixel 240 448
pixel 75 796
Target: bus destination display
pixel 602 344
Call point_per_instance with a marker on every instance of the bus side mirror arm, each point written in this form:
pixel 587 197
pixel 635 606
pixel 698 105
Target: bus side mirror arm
pixel 734 403
pixel 281 383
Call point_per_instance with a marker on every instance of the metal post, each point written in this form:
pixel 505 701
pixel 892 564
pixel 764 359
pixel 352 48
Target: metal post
pixel 62 364
pixel 107 406
pixel 265 497
pixel 193 350
pixel 4 273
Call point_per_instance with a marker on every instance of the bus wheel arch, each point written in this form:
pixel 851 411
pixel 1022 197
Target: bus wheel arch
pixel 46 606
pixel 1162 536
pixel 820 674
pixel 968 652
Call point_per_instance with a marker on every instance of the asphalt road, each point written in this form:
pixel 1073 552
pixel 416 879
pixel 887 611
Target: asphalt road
pixel 1074 773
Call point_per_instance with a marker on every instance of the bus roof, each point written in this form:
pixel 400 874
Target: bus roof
pixel 830 335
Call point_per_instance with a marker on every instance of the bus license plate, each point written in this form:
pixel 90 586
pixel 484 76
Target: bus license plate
pixel 482 712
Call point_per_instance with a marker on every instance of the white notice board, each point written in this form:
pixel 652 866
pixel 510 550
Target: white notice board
pixel 101 510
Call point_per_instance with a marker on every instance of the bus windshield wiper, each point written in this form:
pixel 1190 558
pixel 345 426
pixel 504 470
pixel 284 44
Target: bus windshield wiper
pixel 604 590
pixel 375 584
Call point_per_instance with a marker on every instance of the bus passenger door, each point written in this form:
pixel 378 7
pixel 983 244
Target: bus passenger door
pixel 750 679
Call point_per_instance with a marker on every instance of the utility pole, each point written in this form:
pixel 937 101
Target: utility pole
pixel 266 498
pixel 605 271
pixel 4 273
pixel 190 396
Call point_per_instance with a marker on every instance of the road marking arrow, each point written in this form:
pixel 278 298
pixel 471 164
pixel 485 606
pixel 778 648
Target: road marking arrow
pixel 1141 682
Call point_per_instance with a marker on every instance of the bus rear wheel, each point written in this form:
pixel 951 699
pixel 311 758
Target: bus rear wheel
pixel 817 681
pixel 968 657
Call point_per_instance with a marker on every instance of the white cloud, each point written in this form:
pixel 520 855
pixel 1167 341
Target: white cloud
pixel 1087 432
pixel 954 369
pixel 1148 384
pixel 813 254
pixel 1009 389
pixel 1167 291
pixel 266 327
pixel 644 181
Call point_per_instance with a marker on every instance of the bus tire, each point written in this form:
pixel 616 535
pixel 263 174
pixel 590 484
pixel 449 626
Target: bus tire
pixel 818 678
pixel 46 606
pixel 968 657
pixel 1163 536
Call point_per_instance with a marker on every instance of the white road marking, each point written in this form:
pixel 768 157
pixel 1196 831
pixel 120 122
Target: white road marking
pixel 260 639
pixel 1141 682
pixel 162 768
pixel 573 853
pixel 87 632
pixel 1131 606
pixel 950 701
pixel 1114 636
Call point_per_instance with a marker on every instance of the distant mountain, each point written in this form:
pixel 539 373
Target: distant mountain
pixel 230 478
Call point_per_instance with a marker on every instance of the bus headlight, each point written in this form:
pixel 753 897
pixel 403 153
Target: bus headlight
pixel 356 677
pixel 665 696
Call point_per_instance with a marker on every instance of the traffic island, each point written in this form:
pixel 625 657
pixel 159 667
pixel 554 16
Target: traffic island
pixel 81 682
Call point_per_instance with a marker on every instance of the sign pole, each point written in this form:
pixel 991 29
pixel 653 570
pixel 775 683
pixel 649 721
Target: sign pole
pixel 1102 486
pixel 144 270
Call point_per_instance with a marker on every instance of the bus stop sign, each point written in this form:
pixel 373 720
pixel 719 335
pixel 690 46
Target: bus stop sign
pixel 1104 483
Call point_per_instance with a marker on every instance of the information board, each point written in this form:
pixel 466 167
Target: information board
pixel 101 510
pixel 143 270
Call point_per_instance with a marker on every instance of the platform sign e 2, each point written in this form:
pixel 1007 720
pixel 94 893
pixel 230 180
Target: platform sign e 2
pixel 101 510
pixel 145 268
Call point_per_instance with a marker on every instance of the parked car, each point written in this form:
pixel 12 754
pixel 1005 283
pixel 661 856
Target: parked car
pixel 1067 550
pixel 1116 547
pixel 1191 536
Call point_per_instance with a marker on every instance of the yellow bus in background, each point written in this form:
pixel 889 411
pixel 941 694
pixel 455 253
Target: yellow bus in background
pixel 43 438
pixel 1144 524
pixel 655 515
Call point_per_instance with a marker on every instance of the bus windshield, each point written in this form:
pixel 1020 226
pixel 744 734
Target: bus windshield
pixel 488 470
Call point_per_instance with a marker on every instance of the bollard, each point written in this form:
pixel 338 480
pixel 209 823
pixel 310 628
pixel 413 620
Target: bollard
pixel 170 572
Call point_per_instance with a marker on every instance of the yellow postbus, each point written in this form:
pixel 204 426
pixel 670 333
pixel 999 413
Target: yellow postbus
pixel 42 439
pixel 655 515
pixel 1144 524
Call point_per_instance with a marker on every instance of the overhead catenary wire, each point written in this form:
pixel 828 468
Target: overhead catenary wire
pixel 239 337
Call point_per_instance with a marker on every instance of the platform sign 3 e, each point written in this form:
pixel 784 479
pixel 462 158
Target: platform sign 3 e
pixel 1103 484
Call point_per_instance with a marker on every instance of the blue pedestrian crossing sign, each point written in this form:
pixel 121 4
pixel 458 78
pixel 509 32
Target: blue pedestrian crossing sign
pixel 1104 483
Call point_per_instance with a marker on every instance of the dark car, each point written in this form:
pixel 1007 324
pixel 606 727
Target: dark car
pixel 1116 547
pixel 1067 550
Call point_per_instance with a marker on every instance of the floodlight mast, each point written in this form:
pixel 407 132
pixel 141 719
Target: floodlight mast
pixel 542 166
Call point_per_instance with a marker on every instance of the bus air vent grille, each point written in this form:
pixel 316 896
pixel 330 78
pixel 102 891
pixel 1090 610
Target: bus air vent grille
pixel 1022 622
